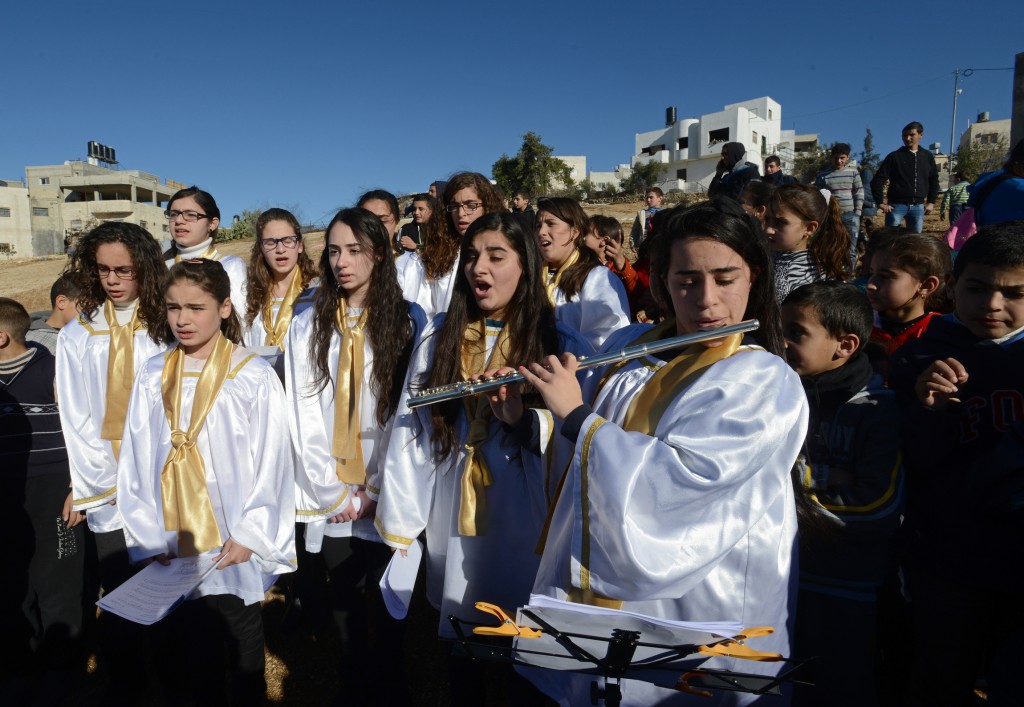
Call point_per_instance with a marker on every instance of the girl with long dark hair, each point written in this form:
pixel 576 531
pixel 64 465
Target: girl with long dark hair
pixel 454 469
pixel 346 360
pixel 680 479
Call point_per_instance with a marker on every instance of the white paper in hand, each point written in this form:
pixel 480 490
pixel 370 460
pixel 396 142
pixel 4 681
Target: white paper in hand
pixel 399 579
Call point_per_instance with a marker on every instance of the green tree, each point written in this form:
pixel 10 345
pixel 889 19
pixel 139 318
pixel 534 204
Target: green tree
pixel 533 169
pixel 868 157
pixel 242 229
pixel 643 175
pixel 807 164
pixel 975 159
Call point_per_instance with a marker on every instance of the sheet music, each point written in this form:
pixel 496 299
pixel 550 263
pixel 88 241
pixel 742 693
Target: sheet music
pixel 158 589
pixel 399 579
pixel 592 628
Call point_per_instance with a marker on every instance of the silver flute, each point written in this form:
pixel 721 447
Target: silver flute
pixel 463 389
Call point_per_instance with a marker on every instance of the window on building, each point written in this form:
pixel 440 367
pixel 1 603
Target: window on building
pixel 681 174
pixel 76 224
pixel 44 180
pixel 144 224
pixel 40 211
pixel 5 212
pixel 720 135
pixel 684 142
pixel 653 149
pixel 165 228
pixel 769 114
pixel 753 134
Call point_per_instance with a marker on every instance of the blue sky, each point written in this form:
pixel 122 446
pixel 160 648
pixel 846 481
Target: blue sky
pixel 308 104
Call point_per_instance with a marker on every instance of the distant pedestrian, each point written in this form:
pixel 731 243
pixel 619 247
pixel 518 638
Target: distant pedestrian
pixel 955 200
pixel 913 182
pixel 773 173
pixel 844 183
pixel 732 172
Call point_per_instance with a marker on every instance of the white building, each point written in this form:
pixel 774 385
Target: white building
pixel 61 201
pixel 689 149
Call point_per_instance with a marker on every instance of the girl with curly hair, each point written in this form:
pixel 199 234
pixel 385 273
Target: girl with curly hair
pixel 119 271
pixel 428 275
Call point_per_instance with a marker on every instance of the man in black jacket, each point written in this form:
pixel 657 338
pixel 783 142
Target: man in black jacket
pixel 913 182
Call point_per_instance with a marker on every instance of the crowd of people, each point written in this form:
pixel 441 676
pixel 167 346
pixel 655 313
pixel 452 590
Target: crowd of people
pixel 851 473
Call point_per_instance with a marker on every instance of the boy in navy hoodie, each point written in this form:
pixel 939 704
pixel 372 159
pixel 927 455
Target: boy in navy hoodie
pixel 961 390
pixel 853 476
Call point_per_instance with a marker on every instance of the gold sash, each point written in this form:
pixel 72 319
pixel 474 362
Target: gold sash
pixel 187 505
pixel 345 445
pixel 209 254
pixel 649 406
pixel 277 329
pixel 120 374
pixel 476 476
pixel 551 284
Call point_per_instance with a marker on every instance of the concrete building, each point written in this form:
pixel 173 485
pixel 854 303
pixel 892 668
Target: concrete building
pixel 60 202
pixel 689 149
pixel 15 220
pixel 987 132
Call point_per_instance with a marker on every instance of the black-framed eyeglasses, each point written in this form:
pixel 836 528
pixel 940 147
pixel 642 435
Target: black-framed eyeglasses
pixel 468 206
pixel 287 242
pixel 123 272
pixel 190 216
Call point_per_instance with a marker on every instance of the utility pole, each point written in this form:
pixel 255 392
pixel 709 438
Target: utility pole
pixel 952 128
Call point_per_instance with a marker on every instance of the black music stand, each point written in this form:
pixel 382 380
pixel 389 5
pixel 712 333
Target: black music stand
pixel 613 656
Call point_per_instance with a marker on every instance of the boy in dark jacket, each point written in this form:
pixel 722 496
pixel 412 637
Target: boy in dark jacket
pixel 853 476
pixel 961 391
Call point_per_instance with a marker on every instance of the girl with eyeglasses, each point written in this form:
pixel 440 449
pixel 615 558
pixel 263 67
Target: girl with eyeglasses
pixel 428 275
pixel 472 480
pixel 206 471
pixel 281 281
pixel 585 295
pixel 194 220
pixel 119 270
pixel 345 364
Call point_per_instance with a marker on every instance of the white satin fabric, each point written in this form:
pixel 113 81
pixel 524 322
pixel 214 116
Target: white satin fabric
pixel 311 419
pixel 83 352
pixel 418 493
pixel 236 268
pixel 598 310
pixel 696 523
pixel 432 296
pixel 249 471
pixel 255 335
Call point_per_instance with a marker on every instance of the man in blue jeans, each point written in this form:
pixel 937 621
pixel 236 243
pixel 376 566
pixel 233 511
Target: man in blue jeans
pixel 913 182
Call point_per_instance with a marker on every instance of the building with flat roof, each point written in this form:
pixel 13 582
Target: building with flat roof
pixel 689 149
pixel 57 203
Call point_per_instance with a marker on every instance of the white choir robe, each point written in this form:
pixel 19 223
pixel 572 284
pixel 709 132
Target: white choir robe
pixel 432 295
pixel 696 523
pixel 598 310
pixel 235 267
pixel 255 336
pixel 319 491
pixel 83 352
pixel 419 493
pixel 249 471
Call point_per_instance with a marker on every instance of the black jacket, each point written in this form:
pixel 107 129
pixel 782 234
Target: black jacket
pixel 912 176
